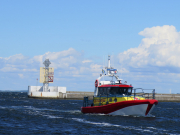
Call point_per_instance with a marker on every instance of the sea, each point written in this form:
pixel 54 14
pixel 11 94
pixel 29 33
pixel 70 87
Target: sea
pixel 22 115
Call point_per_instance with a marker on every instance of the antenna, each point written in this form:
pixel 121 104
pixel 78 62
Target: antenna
pixel 112 59
pixel 103 66
pixel 121 71
pixel 103 61
pixel 36 83
pixel 109 65
pixel 106 62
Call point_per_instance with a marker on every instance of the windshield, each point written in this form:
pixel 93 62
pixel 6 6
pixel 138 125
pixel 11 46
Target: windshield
pixel 114 91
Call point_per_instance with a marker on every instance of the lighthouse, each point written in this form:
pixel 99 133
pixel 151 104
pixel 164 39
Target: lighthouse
pixel 46 91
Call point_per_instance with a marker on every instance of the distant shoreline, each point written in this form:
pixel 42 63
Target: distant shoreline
pixel 13 90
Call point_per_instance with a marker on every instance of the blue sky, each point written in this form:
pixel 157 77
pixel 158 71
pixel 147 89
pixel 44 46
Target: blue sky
pixel 77 35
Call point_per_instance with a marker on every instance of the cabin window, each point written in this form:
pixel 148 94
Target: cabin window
pixel 104 91
pixel 101 91
pixel 114 90
pixel 129 91
pixel 108 90
pixel 125 91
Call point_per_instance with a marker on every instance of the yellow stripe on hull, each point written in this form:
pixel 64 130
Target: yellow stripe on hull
pixel 103 100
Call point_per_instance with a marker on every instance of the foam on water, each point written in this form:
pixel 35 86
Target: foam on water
pixel 52 117
pixel 73 103
pixel 2 107
pixel 146 129
pixel 39 109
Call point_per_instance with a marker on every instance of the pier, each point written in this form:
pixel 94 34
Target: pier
pixel 79 95
pixel 168 97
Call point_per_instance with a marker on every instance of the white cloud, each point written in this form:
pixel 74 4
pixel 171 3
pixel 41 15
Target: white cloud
pixel 21 75
pixel 17 57
pixel 55 55
pixel 33 70
pixel 69 63
pixel 123 70
pixel 160 47
pixel 155 62
pixel 86 61
pixel 61 59
pixel 8 69
pixel 96 67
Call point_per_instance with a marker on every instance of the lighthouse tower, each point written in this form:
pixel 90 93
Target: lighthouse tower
pixel 46 91
pixel 46 80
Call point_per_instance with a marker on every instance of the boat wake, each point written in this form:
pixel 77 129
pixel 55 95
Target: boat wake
pixel 142 129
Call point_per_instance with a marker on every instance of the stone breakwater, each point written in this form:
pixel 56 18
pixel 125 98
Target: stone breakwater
pixel 79 95
pixel 168 97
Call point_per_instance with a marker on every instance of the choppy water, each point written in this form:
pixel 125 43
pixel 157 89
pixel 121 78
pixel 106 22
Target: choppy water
pixel 22 115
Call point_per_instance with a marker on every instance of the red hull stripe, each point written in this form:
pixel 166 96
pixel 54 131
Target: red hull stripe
pixel 149 108
pixel 128 86
pixel 106 109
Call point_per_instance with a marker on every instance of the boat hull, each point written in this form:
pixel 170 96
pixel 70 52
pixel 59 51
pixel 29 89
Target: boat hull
pixel 133 107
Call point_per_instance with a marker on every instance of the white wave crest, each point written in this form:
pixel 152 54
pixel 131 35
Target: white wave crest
pixel 146 129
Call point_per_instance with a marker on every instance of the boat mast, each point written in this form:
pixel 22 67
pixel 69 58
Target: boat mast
pixel 109 65
pixel 111 72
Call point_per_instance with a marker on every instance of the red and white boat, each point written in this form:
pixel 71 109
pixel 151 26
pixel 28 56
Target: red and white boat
pixel 115 98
